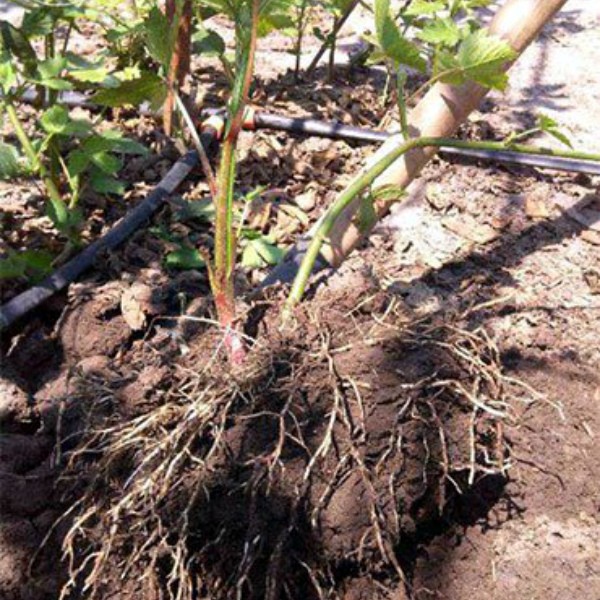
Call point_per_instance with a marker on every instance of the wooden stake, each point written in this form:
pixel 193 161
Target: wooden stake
pixel 439 114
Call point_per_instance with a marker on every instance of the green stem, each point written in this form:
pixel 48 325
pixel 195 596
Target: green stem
pixel 31 154
pixel 300 38
pixel 332 47
pixel 67 38
pixel 331 37
pixel 368 176
pixel 401 78
pixel 222 273
pixel 204 161
pixel 522 148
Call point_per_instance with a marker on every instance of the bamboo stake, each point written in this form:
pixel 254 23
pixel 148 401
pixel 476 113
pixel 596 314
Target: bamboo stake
pixel 439 114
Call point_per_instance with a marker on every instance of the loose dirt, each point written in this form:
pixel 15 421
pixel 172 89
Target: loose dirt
pixel 349 459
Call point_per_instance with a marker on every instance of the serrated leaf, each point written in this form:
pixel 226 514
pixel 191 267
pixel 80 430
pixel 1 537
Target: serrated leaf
pixel 86 71
pixel 270 253
pixel 418 8
pixel 149 87
pixel 259 252
pixel 251 259
pixel 121 144
pixel 443 32
pixel 106 184
pixel 60 85
pixel 59 214
pixel 203 210
pixel 97 143
pixel 11 268
pixel 51 67
pixel 30 263
pixel 208 43
pixel 38 22
pixel 9 161
pixel 106 162
pixel 160 36
pixel 8 76
pixel 95 75
pixel 273 22
pixel 15 42
pixel 480 58
pixel 184 258
pixel 77 162
pixel 56 121
pixel 392 43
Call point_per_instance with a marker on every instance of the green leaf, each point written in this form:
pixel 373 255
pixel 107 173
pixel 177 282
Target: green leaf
pixel 203 210
pixel 51 67
pixel 551 127
pixel 38 22
pixel 49 74
pixel 366 215
pixel 274 22
pixel 8 75
pixel 480 58
pixel 395 47
pixel 60 215
pixel 133 92
pixel 121 144
pixel 184 258
pixel 106 162
pixel 16 44
pixel 95 150
pixel 444 32
pixel 105 184
pixel 9 161
pixel 251 259
pixel 94 75
pixel 160 36
pixel 418 8
pixel 208 43
pixel 87 71
pixel 259 252
pixel 56 120
pixel 11 268
pixel 77 162
pixel 33 264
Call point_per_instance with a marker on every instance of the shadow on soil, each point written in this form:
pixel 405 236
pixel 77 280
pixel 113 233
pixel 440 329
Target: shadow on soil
pixel 280 518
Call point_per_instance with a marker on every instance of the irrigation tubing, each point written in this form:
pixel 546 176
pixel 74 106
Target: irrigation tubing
pixel 333 130
pixel 340 131
pixel 285 271
pixel 65 275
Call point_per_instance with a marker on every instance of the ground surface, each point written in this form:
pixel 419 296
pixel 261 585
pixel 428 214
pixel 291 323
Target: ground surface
pixel 515 251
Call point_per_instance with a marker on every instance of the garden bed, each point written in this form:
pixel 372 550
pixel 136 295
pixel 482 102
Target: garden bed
pixel 347 458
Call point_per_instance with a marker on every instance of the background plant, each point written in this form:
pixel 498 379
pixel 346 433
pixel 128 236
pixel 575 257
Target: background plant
pixel 68 154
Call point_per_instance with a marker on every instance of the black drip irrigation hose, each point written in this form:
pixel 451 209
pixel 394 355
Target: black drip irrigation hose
pixel 65 275
pixel 328 129
pixel 287 269
pixel 347 132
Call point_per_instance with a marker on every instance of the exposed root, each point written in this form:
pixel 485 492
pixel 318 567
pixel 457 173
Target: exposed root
pixel 323 458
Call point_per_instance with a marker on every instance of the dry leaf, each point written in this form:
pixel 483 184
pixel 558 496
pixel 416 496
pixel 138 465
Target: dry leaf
pixel 259 212
pixel 536 207
pixel 468 228
pixel 592 278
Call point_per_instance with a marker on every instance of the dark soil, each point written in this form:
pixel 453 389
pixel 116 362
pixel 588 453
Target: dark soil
pixel 347 460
